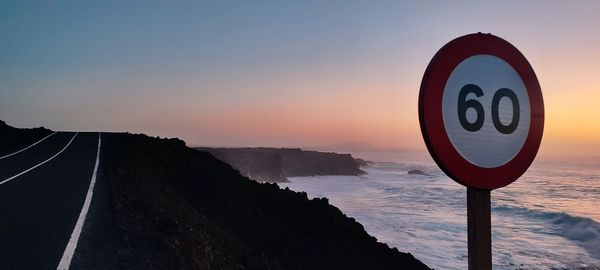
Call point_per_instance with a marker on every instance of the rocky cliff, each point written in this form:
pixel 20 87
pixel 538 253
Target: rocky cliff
pixel 167 206
pixel 179 208
pixel 276 164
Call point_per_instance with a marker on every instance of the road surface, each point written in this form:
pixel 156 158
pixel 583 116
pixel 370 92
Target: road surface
pixel 47 200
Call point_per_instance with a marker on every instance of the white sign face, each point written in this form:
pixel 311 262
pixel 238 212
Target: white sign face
pixel 486 111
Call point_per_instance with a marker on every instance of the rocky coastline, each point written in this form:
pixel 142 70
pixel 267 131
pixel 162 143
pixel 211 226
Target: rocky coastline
pixel 277 164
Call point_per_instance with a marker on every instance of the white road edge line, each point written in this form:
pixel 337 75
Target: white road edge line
pixel 65 261
pixel 5 156
pixel 41 163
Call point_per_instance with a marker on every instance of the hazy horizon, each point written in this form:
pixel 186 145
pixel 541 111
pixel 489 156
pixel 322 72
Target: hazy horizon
pixel 280 74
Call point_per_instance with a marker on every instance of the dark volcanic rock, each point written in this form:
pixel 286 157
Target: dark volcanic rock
pixel 261 164
pixel 19 137
pixel 179 208
pixel 276 164
pixel 361 162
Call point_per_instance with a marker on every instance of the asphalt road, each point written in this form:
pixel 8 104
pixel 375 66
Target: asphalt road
pixel 43 208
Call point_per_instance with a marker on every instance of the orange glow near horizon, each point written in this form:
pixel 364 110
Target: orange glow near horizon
pixel 341 112
pixel 288 76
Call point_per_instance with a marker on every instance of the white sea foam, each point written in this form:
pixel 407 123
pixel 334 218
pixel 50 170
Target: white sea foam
pixel 549 219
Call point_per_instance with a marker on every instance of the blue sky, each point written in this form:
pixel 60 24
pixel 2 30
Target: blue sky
pixel 303 72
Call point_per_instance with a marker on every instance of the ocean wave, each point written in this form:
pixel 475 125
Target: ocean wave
pixel 581 230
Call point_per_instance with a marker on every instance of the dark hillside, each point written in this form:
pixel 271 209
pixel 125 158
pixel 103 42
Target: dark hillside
pixel 179 208
pixel 19 137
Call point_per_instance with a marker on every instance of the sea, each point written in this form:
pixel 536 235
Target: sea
pixel 547 219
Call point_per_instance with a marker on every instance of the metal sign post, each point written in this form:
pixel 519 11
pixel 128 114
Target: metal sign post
pixel 479 229
pixel 481 113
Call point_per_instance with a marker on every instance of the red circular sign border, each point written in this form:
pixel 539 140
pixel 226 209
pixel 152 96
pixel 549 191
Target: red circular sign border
pixel 432 124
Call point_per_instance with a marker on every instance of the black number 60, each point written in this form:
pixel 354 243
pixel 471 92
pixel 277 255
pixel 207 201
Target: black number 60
pixel 464 105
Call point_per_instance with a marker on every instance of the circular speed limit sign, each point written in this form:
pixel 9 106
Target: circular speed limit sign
pixel 481 111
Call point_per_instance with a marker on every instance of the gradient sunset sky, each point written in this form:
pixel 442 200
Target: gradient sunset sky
pixel 279 73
